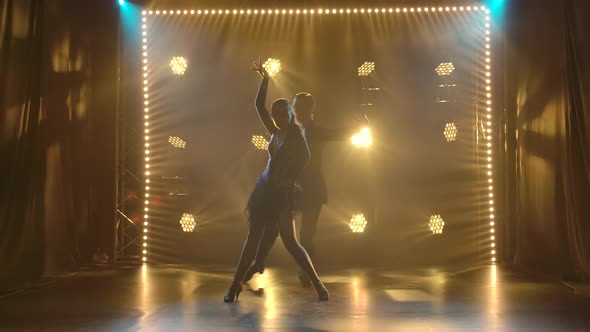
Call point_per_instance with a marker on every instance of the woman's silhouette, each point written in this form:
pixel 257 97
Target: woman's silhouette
pixel 271 203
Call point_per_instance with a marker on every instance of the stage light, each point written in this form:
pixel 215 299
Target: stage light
pixel 436 224
pixel 450 132
pixel 122 2
pixel 178 65
pixel 259 142
pixel 187 222
pixel 357 223
pixel 362 139
pixel 272 66
pixel 366 68
pixel 445 69
pixel 177 142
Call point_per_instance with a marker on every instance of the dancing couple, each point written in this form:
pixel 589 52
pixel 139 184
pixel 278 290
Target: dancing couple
pixel 272 203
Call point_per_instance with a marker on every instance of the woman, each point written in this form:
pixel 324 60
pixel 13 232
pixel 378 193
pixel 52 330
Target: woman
pixel 313 184
pixel 271 203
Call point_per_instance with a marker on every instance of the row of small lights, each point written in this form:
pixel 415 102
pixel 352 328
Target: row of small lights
pixel 147 139
pixel 488 128
pixel 318 11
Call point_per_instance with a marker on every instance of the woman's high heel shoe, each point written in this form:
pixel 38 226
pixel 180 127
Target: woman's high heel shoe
pixel 252 271
pixel 233 293
pixel 322 291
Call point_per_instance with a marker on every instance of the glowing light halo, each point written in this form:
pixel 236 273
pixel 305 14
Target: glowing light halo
pixel 260 142
pixel 366 69
pixel 436 224
pixel 178 65
pixel 362 139
pixel 450 132
pixel 445 69
pixel 187 222
pixel 177 142
pixel 272 66
pixel 357 223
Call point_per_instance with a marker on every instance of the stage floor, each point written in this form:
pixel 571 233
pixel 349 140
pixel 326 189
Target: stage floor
pixel 184 298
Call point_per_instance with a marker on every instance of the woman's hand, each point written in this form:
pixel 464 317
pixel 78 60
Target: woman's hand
pixel 257 67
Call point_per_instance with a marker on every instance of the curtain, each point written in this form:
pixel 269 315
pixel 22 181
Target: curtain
pixel 546 142
pixel 57 136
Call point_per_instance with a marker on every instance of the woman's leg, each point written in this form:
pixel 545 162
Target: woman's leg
pixel 269 236
pixel 268 240
pixel 309 221
pixel 248 252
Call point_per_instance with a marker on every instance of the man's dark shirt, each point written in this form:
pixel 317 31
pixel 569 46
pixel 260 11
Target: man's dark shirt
pixel 312 181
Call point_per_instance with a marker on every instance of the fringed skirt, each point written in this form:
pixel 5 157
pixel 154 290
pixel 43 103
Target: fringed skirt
pixel 268 203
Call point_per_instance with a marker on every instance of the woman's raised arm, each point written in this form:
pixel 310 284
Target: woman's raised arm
pixel 261 97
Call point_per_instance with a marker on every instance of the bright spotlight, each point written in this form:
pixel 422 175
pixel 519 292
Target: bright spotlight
pixel 450 132
pixel 259 142
pixel 362 139
pixel 177 142
pixel 357 223
pixel 178 65
pixel 445 69
pixel 436 224
pixel 366 68
pixel 272 66
pixel 121 2
pixel 187 222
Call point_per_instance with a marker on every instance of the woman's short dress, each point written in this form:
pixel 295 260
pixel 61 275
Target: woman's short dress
pixel 275 191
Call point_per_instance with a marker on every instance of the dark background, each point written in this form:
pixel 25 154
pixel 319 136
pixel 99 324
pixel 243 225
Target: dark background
pixel 58 88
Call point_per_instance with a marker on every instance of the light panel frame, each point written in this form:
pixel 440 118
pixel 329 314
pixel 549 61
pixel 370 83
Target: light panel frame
pixel 487 77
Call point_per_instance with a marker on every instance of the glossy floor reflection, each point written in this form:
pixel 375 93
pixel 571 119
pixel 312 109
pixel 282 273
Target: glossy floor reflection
pixel 181 298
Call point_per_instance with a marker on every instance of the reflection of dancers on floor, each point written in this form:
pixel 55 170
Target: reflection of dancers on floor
pixel 271 203
pixel 312 181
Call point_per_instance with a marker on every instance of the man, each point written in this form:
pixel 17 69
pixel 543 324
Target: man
pixel 313 184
